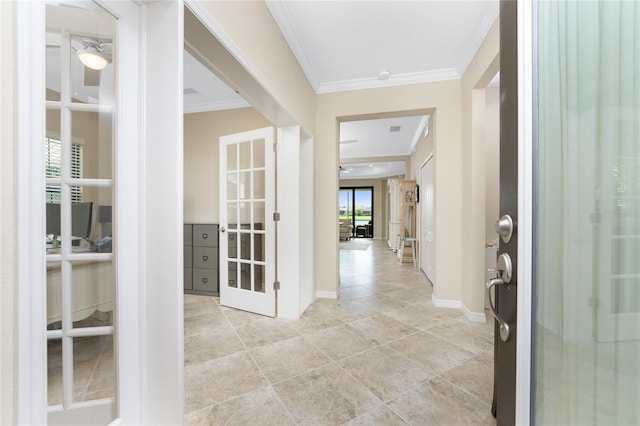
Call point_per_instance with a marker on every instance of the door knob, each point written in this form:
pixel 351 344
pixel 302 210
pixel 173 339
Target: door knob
pixel 504 326
pixel 504 271
pixel 504 228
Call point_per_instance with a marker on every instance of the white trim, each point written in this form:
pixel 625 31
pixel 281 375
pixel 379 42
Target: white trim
pixel 161 213
pixel 31 356
pixel 323 294
pixel 216 106
pixel 446 303
pixel 283 20
pixel 525 212
pixel 127 175
pixel 473 316
pixel 419 131
pixel 394 80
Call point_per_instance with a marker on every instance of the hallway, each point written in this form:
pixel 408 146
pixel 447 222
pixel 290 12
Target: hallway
pixel 382 354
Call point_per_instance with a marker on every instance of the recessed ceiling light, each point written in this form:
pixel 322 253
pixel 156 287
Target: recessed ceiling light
pixel 370 165
pixel 394 129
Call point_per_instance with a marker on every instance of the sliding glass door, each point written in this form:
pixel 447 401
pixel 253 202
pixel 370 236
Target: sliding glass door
pixel 356 204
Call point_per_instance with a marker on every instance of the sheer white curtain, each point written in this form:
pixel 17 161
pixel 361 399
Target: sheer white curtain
pixel 587 347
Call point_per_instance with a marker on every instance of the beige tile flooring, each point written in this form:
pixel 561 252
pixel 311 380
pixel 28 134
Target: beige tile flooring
pixel 382 354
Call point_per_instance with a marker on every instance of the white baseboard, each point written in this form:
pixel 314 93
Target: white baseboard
pixel 457 304
pixel 473 316
pixel 445 303
pixel 326 294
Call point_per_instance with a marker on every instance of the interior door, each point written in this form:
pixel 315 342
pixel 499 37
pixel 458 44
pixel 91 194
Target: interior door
pixel 504 285
pixel 427 242
pixel 247 230
pixel 82 172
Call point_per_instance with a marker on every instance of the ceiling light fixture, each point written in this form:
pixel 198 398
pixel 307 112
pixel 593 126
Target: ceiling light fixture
pixel 94 54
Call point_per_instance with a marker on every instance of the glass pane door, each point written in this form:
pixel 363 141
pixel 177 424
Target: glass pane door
pixel 587 273
pixel 246 231
pixel 356 205
pixel 78 145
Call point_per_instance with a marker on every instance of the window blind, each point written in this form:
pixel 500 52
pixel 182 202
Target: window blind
pixel 53 169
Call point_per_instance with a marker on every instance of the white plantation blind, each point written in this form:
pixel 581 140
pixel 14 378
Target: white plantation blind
pixel 53 168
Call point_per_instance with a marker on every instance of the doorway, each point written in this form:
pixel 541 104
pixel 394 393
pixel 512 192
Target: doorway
pixel 356 205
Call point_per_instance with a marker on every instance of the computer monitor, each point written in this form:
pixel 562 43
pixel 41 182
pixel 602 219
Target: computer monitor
pixel 53 219
pixel 81 219
pixel 104 214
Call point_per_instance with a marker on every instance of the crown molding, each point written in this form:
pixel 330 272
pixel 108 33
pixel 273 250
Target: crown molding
pixel 216 106
pixel 283 20
pixel 394 80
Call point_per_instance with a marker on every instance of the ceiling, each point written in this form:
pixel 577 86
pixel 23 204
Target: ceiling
pixel 345 45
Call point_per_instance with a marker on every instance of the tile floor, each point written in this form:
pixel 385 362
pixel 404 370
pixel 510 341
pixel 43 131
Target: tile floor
pixel 381 355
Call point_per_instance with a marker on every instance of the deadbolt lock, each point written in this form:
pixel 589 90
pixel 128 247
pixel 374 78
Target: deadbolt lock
pixel 504 227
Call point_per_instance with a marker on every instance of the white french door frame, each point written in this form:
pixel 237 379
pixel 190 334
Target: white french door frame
pixel 149 339
pixel 526 111
pixel 422 243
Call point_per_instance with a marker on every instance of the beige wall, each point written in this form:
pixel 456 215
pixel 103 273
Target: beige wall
pixel 492 157
pixel 442 99
pixel 253 30
pixel 481 70
pixel 202 132
pixel 379 201
pixel 8 220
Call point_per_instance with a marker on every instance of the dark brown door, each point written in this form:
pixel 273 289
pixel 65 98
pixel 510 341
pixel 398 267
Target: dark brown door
pixel 504 401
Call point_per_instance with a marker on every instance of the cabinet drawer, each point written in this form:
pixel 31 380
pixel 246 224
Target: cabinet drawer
pixel 187 235
pixel 188 256
pixel 205 257
pixel 188 285
pixel 205 235
pixel 205 280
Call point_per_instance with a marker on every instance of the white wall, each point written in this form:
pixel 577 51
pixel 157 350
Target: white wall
pixel 492 161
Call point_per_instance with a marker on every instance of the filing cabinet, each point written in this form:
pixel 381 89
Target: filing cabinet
pixel 201 259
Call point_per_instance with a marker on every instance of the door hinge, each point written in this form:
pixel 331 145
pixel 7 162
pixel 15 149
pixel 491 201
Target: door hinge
pixel 276 217
pixel 276 285
pixel 275 147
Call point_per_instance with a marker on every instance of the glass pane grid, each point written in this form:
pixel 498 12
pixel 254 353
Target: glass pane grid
pixel 79 171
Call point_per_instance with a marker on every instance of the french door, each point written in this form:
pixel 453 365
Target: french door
pixel 427 240
pixel 247 228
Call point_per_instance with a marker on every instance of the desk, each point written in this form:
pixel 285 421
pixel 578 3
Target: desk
pixel 402 255
pixel 92 288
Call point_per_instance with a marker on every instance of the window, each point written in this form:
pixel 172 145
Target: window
pixel 53 167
